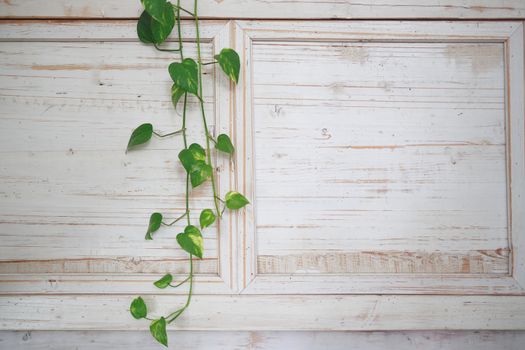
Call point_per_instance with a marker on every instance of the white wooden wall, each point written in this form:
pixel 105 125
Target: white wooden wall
pixel 384 160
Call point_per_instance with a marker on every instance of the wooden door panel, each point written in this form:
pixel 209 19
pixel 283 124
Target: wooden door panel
pixel 379 151
pixel 73 202
pixel 394 159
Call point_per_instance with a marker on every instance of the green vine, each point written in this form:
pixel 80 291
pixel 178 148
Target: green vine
pixel 154 26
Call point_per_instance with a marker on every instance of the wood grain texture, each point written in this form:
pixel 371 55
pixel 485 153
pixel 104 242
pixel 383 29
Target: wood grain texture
pixel 388 146
pixel 301 9
pixel 396 154
pixel 271 312
pixel 72 201
pixel 417 118
pixel 199 340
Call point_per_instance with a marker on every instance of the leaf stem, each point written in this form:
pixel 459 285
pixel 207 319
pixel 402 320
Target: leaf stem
pixel 171 133
pixel 166 50
pixel 184 115
pixel 180 283
pixel 177 7
pixel 206 131
pixel 211 138
pixel 179 30
pixel 174 315
pixel 207 63
pixel 176 220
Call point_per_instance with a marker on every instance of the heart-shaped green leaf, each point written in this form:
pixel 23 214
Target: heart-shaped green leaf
pixel 144 28
pixel 176 94
pixel 191 241
pixel 161 29
pixel 235 200
pixel 155 8
pixel 185 75
pixel 138 308
pixel 206 218
pixel 191 155
pixel 140 135
pixel 230 63
pixel 224 144
pixel 157 329
pixel 200 172
pixel 150 30
pixel 155 220
pixel 164 281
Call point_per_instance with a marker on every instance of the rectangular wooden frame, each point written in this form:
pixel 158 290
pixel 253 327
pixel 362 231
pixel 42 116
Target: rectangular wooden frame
pixel 215 32
pixel 510 34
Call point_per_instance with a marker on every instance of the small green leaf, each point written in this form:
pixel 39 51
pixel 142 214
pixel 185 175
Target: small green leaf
pixel 140 135
pixel 200 172
pixel 155 220
pixel 191 241
pixel 138 308
pixel 176 94
pixel 235 200
pixel 164 281
pixel 185 75
pixel 230 63
pixel 155 8
pixel 158 331
pixel 162 28
pixel 144 28
pixel 193 154
pixel 225 144
pixel 207 218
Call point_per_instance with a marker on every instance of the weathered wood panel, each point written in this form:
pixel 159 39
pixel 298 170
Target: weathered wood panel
pixel 71 200
pixel 350 9
pixel 380 148
pixel 270 312
pixel 197 340
pixel 388 146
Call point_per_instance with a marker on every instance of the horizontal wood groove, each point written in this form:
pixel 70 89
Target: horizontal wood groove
pixel 58 19
pixel 107 265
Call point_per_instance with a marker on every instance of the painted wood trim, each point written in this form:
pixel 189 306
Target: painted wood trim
pixel 15 284
pixel 272 312
pixel 403 284
pixel 383 31
pixel 263 284
pixel 508 33
pixel 516 153
pixel 244 158
pixel 298 9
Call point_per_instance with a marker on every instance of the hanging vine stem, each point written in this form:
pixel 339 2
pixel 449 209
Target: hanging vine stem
pixel 201 101
pixel 154 26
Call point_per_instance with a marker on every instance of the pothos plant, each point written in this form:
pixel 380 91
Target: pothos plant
pixel 154 26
